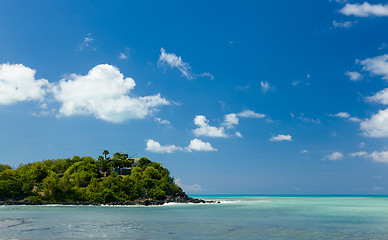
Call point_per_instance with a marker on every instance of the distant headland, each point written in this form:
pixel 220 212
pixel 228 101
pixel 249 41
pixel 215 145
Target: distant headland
pixel 120 180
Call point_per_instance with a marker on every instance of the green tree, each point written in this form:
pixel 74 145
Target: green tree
pixel 105 153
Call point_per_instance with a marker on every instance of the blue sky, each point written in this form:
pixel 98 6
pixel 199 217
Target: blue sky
pixel 257 97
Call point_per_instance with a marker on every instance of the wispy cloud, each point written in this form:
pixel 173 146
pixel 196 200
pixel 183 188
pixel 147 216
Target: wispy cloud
pixel 124 55
pixel 345 24
pixel 87 43
pixel 354 76
pixel 173 61
pixel 266 87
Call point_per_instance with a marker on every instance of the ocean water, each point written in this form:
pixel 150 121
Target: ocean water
pixel 236 217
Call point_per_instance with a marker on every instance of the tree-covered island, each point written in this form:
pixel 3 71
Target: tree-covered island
pixel 84 180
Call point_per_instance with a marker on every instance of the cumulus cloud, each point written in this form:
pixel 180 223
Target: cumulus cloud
pixel 377 65
pixel 281 137
pixel 346 24
pixel 379 156
pixel 231 120
pixel 154 146
pixel 18 83
pixel 173 61
pixel 238 134
pixel 198 145
pixel 358 154
pixel 376 156
pixel 250 114
pixel 103 93
pixel 365 10
pixel 188 188
pixel 380 97
pixel 204 129
pixel 377 125
pixel 354 76
pixel 334 156
pixel 195 145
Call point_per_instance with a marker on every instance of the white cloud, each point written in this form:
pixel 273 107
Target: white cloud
pixel 195 145
pixel 198 145
pixel 206 74
pixel 377 125
pixel 173 61
pixel 154 146
pixel 354 76
pixel 380 97
pixel 376 156
pixel 334 156
pixel 346 24
pixel 304 151
pixel 238 134
pixel 281 137
pixel 354 119
pixel 103 93
pixel 188 188
pixel 250 114
pixel 18 83
pixel 87 42
pixel 341 115
pixel 124 55
pixel 379 156
pixel 303 118
pixel 345 115
pixel 377 65
pixel 365 10
pixel 231 120
pixel 204 129
pixel 163 122
pixel 358 154
pixel 265 87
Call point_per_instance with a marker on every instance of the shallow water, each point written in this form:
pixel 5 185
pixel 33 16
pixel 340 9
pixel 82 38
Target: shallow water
pixel 237 217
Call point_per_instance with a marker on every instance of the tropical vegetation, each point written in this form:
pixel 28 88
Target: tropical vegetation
pixel 84 179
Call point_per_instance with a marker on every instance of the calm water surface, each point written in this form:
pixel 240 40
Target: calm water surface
pixel 237 217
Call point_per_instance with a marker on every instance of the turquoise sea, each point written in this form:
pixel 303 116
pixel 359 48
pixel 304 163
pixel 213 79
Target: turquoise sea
pixel 236 217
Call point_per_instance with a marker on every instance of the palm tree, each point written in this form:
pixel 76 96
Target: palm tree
pixel 105 152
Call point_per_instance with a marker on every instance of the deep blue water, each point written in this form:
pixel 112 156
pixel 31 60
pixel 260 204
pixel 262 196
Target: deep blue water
pixel 236 217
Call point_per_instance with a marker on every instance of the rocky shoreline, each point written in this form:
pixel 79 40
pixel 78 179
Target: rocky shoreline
pixel 179 198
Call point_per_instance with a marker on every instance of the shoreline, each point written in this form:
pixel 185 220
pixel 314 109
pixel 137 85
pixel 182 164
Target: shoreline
pixel 140 202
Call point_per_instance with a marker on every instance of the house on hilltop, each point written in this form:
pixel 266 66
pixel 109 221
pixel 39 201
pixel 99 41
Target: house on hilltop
pixel 135 157
pixel 120 170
